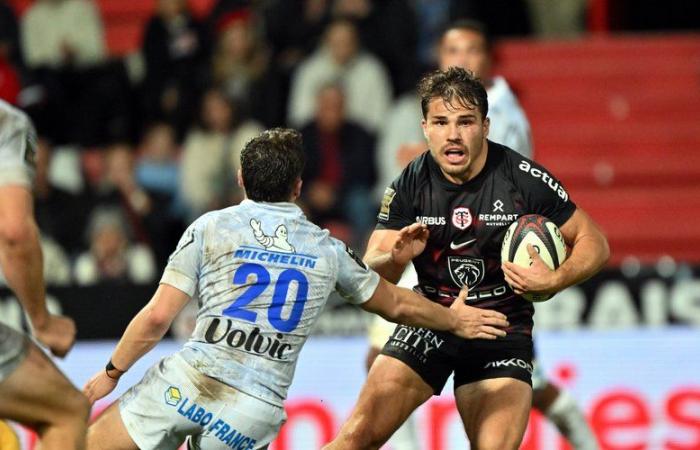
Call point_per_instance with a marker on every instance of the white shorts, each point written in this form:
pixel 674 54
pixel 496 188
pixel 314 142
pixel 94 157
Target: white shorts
pixel 174 400
pixel 14 347
pixel 379 329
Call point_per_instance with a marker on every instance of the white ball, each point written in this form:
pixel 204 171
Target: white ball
pixel 544 235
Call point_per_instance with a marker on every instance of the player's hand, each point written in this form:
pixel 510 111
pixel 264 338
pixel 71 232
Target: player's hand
pixel 536 279
pixel 99 386
pixel 57 333
pixel 409 243
pixel 477 323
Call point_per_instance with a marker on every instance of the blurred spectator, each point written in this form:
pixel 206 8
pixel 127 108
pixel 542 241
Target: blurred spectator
pixel 175 50
pixel 60 213
pixel 387 28
pixel 212 153
pixel 10 48
pixel 10 55
pixel 112 257
pixel 117 188
pixel 75 95
pixel 158 173
pixel 558 18
pixel 339 174
pixel 294 28
pixel 364 79
pixel 60 33
pixel 241 66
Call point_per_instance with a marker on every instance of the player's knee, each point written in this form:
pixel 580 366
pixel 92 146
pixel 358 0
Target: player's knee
pixel 15 231
pixel 493 441
pixel 361 434
pixel 76 406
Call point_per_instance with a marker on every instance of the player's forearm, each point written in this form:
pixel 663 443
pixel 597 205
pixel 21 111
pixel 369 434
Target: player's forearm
pixel 143 333
pixel 588 255
pixel 22 264
pixel 415 310
pixel 384 265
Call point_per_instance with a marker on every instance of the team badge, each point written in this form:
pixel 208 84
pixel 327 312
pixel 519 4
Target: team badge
pixel 466 271
pixel 461 218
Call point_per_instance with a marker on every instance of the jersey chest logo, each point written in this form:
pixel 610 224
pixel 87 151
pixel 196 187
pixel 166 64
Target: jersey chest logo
pixel 461 218
pixel 466 271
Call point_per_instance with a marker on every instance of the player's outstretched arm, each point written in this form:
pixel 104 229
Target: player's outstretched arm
pixel 589 253
pixel 22 264
pixel 146 329
pixel 389 251
pixel 405 306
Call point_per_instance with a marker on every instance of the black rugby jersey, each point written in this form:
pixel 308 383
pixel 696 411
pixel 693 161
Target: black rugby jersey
pixel 467 223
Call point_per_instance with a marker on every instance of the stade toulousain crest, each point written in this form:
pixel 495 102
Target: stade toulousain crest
pixel 461 218
pixel 466 271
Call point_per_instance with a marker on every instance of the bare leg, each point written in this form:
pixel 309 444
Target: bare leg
pixel 37 395
pixel 109 433
pixel 494 412
pixel 390 394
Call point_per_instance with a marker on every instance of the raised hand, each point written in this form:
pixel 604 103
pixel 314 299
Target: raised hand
pixel 409 243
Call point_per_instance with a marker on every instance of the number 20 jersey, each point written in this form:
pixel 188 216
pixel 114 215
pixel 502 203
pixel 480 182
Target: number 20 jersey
pixel 467 224
pixel 262 274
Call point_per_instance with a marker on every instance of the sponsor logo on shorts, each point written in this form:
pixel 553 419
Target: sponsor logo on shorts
pixel 223 431
pixel 512 362
pixel 173 396
pixel 222 330
pixel 419 342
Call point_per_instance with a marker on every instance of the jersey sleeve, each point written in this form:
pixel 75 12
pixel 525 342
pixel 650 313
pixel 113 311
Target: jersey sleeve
pixel 182 271
pixel 356 282
pixel 396 210
pixel 544 194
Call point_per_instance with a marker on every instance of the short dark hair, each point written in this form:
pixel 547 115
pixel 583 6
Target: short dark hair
pixel 469 25
pixel 271 163
pixel 453 84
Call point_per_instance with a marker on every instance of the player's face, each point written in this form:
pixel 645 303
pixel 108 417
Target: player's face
pixel 456 135
pixel 465 49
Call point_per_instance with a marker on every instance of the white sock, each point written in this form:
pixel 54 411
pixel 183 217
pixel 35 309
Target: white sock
pixel 406 437
pixel 571 423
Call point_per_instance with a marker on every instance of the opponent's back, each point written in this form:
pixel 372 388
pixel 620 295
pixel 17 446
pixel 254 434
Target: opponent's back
pixel 262 274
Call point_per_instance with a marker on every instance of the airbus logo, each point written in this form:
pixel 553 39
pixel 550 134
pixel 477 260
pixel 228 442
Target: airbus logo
pixel 454 246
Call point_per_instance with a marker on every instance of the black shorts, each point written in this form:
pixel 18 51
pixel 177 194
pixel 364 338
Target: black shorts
pixel 435 355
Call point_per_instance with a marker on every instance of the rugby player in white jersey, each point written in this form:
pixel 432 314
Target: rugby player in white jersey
pixel 262 274
pixel 32 390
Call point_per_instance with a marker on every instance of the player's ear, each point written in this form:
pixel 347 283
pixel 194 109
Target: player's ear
pixel 424 125
pixel 239 178
pixel 487 126
pixel 296 193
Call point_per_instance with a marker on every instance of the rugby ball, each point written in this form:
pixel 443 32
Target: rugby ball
pixel 544 235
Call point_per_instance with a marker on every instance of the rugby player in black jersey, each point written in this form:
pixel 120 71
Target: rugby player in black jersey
pixel 465 191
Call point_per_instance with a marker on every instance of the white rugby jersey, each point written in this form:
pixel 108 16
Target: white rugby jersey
pixel 262 274
pixel 509 125
pixel 17 146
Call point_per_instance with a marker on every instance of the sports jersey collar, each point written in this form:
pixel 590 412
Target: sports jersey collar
pixel 279 207
pixel 440 177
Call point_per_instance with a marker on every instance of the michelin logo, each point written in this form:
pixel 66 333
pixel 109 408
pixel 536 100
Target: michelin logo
pixel 279 242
